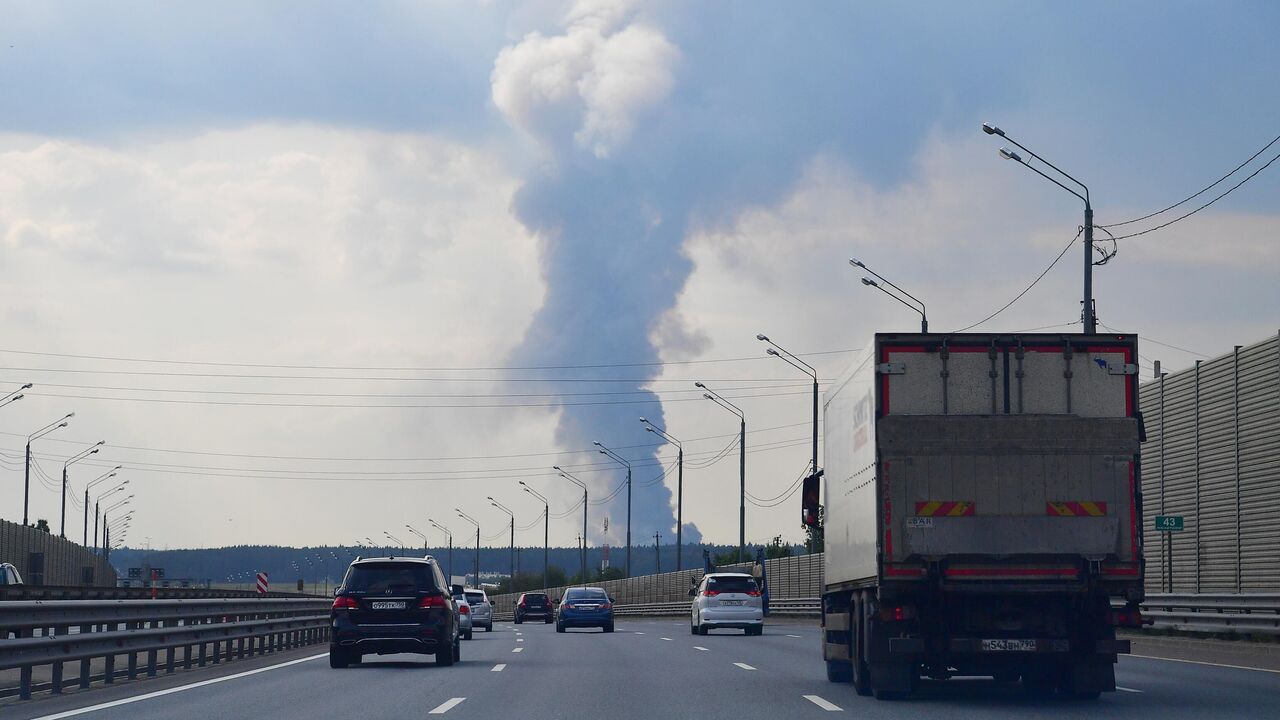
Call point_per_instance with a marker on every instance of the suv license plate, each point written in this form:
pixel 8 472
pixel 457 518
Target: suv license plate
pixel 1005 645
pixel 731 602
pixel 386 605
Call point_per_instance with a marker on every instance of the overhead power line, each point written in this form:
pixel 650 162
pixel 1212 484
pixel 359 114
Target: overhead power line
pixel 388 368
pixel 1199 192
pixel 1026 290
pixel 1147 338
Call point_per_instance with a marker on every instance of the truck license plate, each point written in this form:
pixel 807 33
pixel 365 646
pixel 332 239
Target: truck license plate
pixel 387 605
pixel 1005 645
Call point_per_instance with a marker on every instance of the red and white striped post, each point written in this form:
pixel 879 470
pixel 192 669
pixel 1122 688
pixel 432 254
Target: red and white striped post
pixel 262 583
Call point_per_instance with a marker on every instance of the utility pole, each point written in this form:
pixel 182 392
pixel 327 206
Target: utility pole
pixel 650 427
pixel 657 552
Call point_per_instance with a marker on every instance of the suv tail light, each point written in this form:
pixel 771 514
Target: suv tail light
pixel 753 593
pixel 431 601
pixel 464 609
pixel 710 593
pixel 342 602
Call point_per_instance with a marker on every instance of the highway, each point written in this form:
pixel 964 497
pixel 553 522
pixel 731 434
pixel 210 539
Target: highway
pixel 651 668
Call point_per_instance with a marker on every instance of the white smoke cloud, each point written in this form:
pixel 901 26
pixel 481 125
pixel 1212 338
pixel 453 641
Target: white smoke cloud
pixel 590 84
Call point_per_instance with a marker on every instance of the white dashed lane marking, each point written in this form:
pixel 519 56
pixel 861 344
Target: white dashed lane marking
pixel 519 649
pixel 796 636
pixel 499 667
pixel 667 639
pixel 519 639
pixel 744 666
pixel 699 647
pixel 1125 689
pixel 639 633
pixel 446 706
pixel 822 703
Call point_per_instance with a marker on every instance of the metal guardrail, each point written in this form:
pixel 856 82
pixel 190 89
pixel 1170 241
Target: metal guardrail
pixel 1223 613
pixel 38 633
pixel 84 592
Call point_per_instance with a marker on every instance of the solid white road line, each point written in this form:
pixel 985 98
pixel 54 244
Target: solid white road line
pixel 1125 689
pixel 667 639
pixel 446 706
pixel 1201 662
pixel 170 691
pixel 499 667
pixel 639 633
pixel 744 666
pixel 796 636
pixel 519 649
pixel 822 703
pixel 699 647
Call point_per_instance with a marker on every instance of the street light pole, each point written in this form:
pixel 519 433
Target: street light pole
pixel 473 521
pixel 511 515
pixel 62 531
pixel 415 532
pixel 742 462
pixel 26 482
pixel 394 539
pixel 924 318
pixel 109 474
pixel 620 460
pixel 14 396
pixel 781 353
pixel 445 530
pixel 546 529
pixel 585 503
pixel 650 427
pixel 95 512
pixel 1089 317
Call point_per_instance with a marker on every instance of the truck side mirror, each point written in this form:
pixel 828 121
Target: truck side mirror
pixel 809 500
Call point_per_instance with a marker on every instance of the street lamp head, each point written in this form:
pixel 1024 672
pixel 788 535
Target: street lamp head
pixel 601 452
pixel 62 425
pixel 857 263
pixel 102 442
pixel 27 386
pixel 992 130
pixel 707 395
pixel 489 498
pixel 762 337
pixel 869 282
pixel 68 416
pixel 648 429
pixel 1008 154
pixel 699 384
pixel 17 397
pixel 93 451
pixel 555 467
pixel 597 444
pixel 643 420
pixel 521 482
pixel 770 351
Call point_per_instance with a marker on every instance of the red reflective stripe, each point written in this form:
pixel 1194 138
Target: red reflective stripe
pixel 1119 571
pixel 1133 516
pixel 945 508
pixel 991 572
pixel 888 511
pixel 913 572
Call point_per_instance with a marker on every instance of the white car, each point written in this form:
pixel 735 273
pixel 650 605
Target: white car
pixel 726 600
pixel 464 613
pixel 481 609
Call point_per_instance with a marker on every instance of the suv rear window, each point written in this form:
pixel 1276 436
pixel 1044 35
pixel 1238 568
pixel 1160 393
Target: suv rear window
pixel 475 598
pixel 535 597
pixel 380 578
pixel 731 584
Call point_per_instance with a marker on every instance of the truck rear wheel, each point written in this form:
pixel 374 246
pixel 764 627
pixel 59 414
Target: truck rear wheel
pixel 839 672
pixel 857 637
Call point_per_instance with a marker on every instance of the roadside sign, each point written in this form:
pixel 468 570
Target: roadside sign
pixel 1169 523
pixel 262 583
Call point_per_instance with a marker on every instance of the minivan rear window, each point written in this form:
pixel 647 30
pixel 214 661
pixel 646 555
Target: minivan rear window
pixel 731 584
pixel 382 578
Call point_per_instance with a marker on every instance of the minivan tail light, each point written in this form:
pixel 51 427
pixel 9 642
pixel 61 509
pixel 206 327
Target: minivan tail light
pixel 710 593
pixel 753 593
pixel 464 609
pixel 431 601
pixel 342 602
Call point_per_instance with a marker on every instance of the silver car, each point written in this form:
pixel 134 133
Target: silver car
pixel 481 609
pixel 726 600
pixel 464 613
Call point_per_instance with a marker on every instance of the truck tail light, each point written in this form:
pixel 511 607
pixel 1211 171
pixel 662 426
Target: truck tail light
pixel 433 601
pixel 897 613
pixel 342 602
pixel 1129 618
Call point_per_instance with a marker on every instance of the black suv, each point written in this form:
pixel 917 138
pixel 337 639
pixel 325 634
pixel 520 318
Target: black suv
pixel 393 605
pixel 534 605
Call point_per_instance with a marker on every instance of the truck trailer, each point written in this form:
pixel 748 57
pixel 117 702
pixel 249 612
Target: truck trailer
pixel 983 511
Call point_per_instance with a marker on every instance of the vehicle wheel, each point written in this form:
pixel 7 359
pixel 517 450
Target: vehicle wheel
pixel 857 635
pixel 518 620
pixel 457 651
pixel 546 621
pixel 703 629
pixel 445 658
pixel 469 634
pixel 839 672
pixel 559 628
pixel 693 629
pixel 337 658
pixel 608 628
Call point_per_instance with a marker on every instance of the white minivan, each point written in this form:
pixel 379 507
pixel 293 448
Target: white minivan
pixel 726 600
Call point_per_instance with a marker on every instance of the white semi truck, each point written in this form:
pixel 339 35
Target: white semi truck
pixel 982 511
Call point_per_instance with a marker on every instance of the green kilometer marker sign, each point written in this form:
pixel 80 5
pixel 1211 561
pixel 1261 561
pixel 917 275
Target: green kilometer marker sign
pixel 1169 523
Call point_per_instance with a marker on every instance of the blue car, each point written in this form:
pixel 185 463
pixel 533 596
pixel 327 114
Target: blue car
pixel 585 607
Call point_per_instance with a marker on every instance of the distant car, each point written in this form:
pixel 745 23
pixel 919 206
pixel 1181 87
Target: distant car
pixel 534 605
pixel 726 600
pixel 481 609
pixel 9 575
pixel 393 605
pixel 465 626
pixel 585 607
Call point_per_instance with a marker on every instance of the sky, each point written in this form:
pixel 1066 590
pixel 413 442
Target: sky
pixel 318 272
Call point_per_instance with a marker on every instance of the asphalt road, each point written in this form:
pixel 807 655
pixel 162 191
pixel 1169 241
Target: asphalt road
pixel 647 669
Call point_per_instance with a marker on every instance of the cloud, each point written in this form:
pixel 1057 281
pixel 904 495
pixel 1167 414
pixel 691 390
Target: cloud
pixel 592 83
